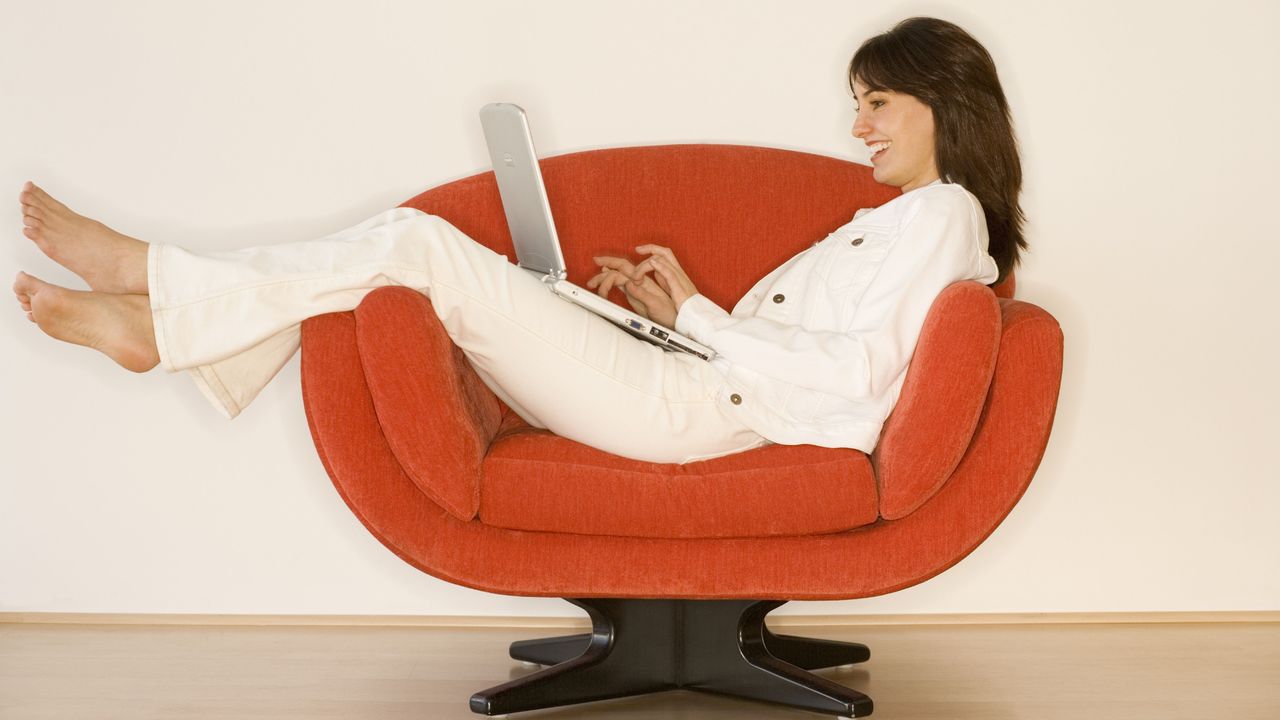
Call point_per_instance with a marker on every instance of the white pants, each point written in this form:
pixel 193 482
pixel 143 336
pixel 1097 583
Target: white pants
pixel 232 319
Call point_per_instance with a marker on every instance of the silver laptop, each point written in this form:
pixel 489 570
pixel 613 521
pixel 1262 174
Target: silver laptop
pixel 524 199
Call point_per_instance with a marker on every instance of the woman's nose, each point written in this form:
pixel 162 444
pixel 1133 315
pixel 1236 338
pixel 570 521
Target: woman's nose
pixel 860 127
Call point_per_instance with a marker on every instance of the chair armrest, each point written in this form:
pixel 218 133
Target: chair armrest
pixel 980 357
pixel 1013 432
pixel 941 398
pixel 437 415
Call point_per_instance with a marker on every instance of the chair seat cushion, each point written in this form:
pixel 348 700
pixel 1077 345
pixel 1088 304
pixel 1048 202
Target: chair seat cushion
pixel 535 480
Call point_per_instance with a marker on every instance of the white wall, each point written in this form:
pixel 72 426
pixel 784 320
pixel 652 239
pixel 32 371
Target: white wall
pixel 1148 133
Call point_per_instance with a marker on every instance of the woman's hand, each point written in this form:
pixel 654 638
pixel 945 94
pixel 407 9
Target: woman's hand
pixel 670 275
pixel 645 296
pixel 660 301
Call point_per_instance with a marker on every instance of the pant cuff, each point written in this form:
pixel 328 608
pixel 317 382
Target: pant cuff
pixel 155 293
pixel 213 389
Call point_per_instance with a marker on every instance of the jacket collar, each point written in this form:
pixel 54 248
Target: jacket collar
pixel 866 210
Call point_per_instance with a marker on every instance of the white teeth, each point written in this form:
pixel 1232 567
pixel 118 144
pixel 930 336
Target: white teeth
pixel 880 146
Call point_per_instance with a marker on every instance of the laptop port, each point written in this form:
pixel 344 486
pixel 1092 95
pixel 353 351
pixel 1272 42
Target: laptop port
pixel 658 333
pixel 690 350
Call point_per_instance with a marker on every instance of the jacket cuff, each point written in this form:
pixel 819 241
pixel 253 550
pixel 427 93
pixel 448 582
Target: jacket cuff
pixel 695 318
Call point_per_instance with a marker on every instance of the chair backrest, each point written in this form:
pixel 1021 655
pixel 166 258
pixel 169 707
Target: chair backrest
pixel 732 213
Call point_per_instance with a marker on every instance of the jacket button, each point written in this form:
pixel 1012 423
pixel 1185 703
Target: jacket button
pixel 779 298
pixel 856 241
pixel 736 399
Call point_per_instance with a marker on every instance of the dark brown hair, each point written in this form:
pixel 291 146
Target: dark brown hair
pixel 941 65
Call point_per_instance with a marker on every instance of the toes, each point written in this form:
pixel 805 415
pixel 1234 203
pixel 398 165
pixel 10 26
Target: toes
pixel 33 203
pixel 35 197
pixel 32 233
pixel 30 221
pixel 27 284
pixel 45 198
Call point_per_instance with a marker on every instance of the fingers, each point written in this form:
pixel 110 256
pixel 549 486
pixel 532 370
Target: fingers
pixel 600 276
pixel 644 267
pixel 656 285
pixel 669 286
pixel 659 251
pixel 665 271
pixel 677 283
pixel 637 303
pixel 605 282
pixel 640 294
pixel 661 308
pixel 659 256
pixel 662 282
pixel 621 265
pixel 645 289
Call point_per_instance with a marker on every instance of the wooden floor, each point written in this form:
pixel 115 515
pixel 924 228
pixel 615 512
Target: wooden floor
pixel 988 672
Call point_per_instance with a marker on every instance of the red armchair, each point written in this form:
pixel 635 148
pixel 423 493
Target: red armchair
pixel 677 565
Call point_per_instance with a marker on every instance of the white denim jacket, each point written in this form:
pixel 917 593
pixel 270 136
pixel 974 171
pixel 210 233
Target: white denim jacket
pixel 817 351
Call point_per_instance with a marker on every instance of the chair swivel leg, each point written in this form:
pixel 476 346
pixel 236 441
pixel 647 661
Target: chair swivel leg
pixel 627 652
pixel 726 654
pixel 811 653
pixel 552 650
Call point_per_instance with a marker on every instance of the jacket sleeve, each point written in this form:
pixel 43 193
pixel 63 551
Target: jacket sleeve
pixel 938 244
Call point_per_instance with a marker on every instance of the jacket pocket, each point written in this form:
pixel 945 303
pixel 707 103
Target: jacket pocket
pixel 856 255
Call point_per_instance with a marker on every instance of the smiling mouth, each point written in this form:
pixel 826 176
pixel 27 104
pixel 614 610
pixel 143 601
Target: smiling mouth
pixel 879 154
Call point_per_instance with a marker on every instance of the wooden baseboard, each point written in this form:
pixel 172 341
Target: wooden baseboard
pixel 516 621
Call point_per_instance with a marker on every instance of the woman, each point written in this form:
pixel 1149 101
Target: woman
pixel 822 367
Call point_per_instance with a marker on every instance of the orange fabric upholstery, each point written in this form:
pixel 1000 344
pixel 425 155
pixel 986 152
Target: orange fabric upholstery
pixel 779 490
pixel 457 486
pixel 943 394
pixel 437 426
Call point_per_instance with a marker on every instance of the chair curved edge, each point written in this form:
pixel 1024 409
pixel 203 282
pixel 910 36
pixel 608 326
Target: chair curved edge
pixel 1008 444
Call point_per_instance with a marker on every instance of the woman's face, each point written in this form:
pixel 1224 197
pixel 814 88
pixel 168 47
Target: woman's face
pixel 905 123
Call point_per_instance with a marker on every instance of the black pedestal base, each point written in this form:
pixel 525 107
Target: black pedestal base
pixel 639 646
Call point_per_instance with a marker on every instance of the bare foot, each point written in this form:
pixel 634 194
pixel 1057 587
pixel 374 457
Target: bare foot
pixel 119 326
pixel 107 260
